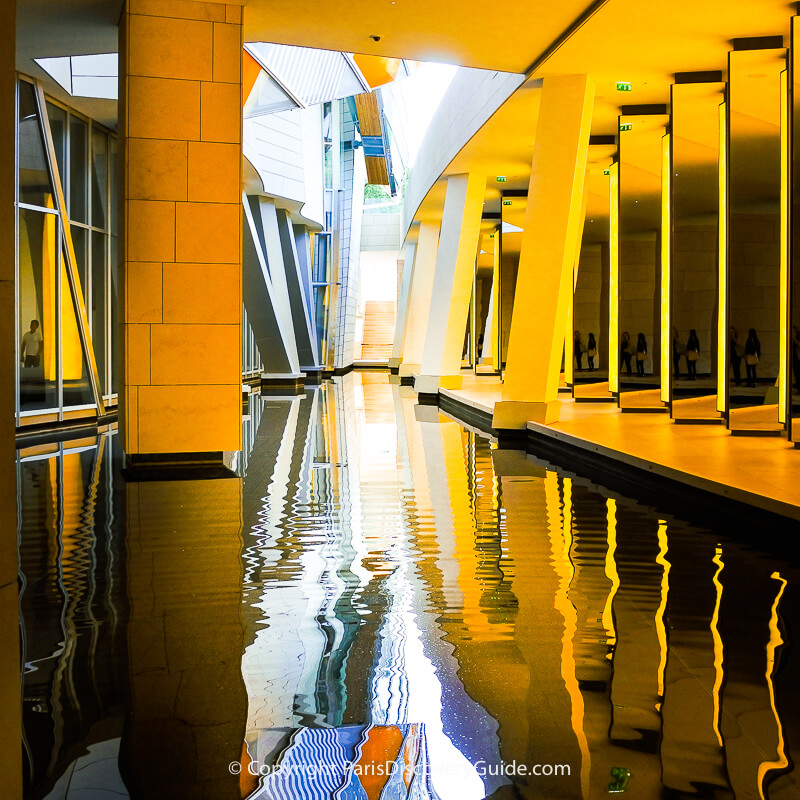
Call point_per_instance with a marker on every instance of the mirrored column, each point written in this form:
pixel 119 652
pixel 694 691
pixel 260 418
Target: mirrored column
pixel 754 225
pixel 694 262
pixel 640 183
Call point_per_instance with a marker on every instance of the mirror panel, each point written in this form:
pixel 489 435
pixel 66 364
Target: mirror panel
pixel 754 252
pixel 694 301
pixel 639 346
pixel 589 329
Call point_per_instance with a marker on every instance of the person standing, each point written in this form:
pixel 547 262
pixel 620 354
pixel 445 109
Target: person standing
pixel 625 351
pixel 591 350
pixel 692 354
pixel 32 346
pixel 577 346
pixel 677 352
pixel 735 350
pixel 641 354
pixel 752 355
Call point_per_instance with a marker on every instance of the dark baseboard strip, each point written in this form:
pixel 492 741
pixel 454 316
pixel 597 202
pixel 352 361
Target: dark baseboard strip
pixel 33 435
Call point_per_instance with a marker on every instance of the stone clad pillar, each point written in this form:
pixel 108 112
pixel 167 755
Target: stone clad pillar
pixel 181 140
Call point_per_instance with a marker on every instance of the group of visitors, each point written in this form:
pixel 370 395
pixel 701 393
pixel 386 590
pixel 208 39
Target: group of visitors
pixel 590 348
pixel 627 351
pixel 690 351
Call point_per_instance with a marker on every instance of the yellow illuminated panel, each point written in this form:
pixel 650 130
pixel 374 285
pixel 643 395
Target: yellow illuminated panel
pixel 775 641
pixel 569 344
pixel 722 316
pixel 783 337
pixel 613 279
pixel 666 276
pixel 719 648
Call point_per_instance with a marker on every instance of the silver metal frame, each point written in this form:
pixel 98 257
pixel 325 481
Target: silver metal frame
pixel 67 248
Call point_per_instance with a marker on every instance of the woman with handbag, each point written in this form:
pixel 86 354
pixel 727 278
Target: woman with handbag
pixel 735 351
pixel 641 354
pixel 752 355
pixel 591 350
pixel 692 354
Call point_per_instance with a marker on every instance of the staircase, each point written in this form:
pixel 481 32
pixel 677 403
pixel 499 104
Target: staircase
pixel 379 319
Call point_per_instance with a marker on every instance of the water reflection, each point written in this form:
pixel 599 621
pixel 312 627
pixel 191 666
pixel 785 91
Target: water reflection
pixel 385 607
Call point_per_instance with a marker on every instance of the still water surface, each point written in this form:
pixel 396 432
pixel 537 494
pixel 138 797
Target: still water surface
pixel 384 606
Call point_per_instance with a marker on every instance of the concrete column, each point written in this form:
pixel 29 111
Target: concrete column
pixel 452 283
pixel 550 244
pixel 181 140
pixel 419 300
pixel 401 322
pixel 10 696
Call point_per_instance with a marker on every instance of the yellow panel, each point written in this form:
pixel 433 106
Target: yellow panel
pixel 162 108
pixel 613 280
pixel 156 169
pixel 221 119
pixel 137 354
pixel 183 354
pixel 722 289
pixel 183 9
pixel 233 13
pixel 207 233
pixel 202 292
pixel 666 269
pixel 214 172
pixel 227 53
pixel 143 291
pixel 376 69
pixel 783 326
pixel 151 230
pixel 173 48
pixel 171 420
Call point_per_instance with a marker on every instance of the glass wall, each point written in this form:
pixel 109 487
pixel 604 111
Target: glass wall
pixel 251 358
pixel 61 313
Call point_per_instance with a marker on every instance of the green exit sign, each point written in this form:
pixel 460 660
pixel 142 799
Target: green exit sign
pixel 625 126
pixel 506 202
pixel 491 236
pixel 501 179
pixel 624 86
pixel 606 172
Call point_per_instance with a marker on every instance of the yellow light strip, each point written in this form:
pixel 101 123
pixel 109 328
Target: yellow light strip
pixel 666 267
pixel 569 343
pixel 722 313
pixel 611 573
pixel 719 648
pixel 775 641
pixel 613 279
pixel 784 279
pixel 661 628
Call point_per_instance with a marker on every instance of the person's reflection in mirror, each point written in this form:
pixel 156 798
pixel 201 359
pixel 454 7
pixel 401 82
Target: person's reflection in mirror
pixel 641 354
pixel 752 355
pixel 735 350
pixel 591 350
pixel 692 354
pixel 625 351
pixel 578 349
pixel 32 346
pixel 796 356
pixel 677 352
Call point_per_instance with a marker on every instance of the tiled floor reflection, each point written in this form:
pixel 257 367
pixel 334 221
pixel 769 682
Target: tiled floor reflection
pixel 385 607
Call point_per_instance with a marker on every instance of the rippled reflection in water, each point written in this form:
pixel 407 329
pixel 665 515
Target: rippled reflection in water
pixel 385 607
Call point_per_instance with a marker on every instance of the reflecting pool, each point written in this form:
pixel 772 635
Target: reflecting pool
pixel 383 606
